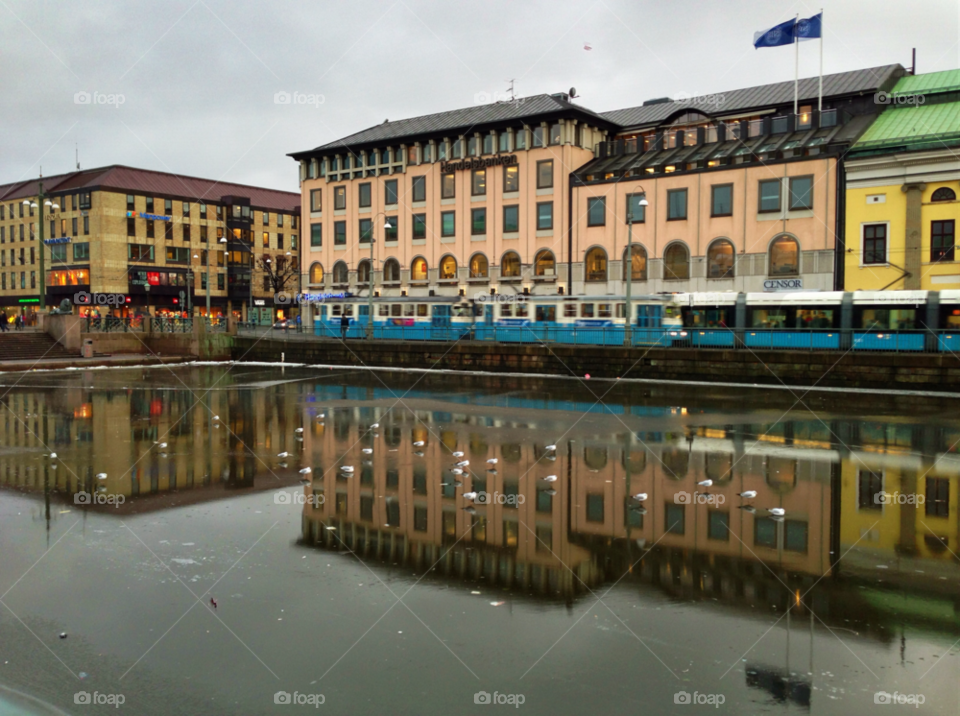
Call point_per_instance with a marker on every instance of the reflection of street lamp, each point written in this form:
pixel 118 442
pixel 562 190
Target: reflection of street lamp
pixel 39 204
pixel 386 225
pixel 628 327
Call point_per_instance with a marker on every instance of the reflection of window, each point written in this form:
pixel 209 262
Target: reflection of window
pixel 595 457
pixel 869 487
pixel 511 452
pixel 674 518
pixel 510 265
pixel 937 497
pixel 478 266
pixel 544 263
pixel 418 269
pixel 639 264
pixel 675 462
pixel 764 532
pixel 448 186
pixel 596 264
pixel 594 507
pixel 634 461
pixel 781 472
pixel 795 536
pixel 720 259
pixel 719 466
pixel 676 262
pixel 718 526
pixel 511 533
pixel 448 267
pixel 785 257
pixel 478 182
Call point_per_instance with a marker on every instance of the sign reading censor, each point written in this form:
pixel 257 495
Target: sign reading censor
pixel 783 284
pixel 480 162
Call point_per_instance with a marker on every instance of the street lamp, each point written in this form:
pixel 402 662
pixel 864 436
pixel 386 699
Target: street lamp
pixel 628 326
pixel 386 225
pixel 39 205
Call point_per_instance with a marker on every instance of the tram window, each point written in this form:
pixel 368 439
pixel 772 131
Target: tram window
pixel 896 319
pixel 671 312
pixel 621 310
pixel 478 309
pixel 604 310
pixel 348 310
pixel 395 309
pixel 706 318
pixel 384 310
pixel 408 309
pixel 549 313
pixel 586 310
pixel 808 318
pixel 336 309
pixel 769 318
pixel 570 310
pixel 953 319
pixel 506 310
pixel 421 309
pixel 522 310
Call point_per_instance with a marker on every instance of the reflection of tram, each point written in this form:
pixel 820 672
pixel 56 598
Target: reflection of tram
pixel 830 320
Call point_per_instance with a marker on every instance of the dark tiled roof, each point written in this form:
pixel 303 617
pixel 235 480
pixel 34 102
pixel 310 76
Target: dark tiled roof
pixel 146 181
pixel 841 84
pixel 461 119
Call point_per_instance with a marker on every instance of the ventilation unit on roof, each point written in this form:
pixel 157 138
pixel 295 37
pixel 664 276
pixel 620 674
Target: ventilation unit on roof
pixel 658 100
pixel 561 95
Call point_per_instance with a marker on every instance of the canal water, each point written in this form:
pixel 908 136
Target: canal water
pixel 592 572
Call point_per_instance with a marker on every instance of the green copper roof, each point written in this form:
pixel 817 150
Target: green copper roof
pixel 930 82
pixel 913 125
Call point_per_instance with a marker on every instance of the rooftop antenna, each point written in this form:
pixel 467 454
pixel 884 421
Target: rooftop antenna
pixel 76 152
pixel 510 89
pixel 913 62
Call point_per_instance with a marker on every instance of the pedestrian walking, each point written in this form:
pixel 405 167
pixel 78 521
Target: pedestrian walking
pixel 3 323
pixel 344 325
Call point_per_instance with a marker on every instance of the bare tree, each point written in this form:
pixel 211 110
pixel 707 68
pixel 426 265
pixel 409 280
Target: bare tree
pixel 282 272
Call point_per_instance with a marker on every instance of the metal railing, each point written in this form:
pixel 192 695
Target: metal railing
pixel 171 325
pixel 255 327
pixel 112 324
pixel 216 324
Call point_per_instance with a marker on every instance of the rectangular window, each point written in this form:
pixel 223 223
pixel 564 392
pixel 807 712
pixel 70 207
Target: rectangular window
pixel 203 234
pixel 203 210
pixel 58 252
pixel 795 536
pixel 769 195
pixel 419 226
pixel 511 178
pixel 363 194
pixel 676 204
pixel 718 526
pixel 150 229
pixel 279 241
pixel 938 497
pixel 130 203
pixel 340 197
pixel 366 230
pixel 316 201
pixel 131 227
pixel 316 235
pixel 81 251
pixel 520 139
pixel 340 233
pixel 636 213
pixel 801 193
pixel 266 239
pixel 149 205
pixel 721 200
pixel 266 218
pixel 186 232
pixel 875 244
pixel 544 215
pixel 391 224
pixel 139 252
pixel 538 136
pixel 448 223
pixel 478 182
pixel 389 192
pixel 448 186
pixel 511 218
pixel 596 211
pixel 85 200
pixel 168 207
pixel 168 230
pixel 942 236
pixel 555 133
pixel 86 226
pixel 186 208
pixel 178 254
pixel 674 518
pixel 220 281
pixel 545 174
pixel 869 487
pixel 419 188
pixel 478 222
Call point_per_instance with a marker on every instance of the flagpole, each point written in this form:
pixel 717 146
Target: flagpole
pixel 820 93
pixel 796 65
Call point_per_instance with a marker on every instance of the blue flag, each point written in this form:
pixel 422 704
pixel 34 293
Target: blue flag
pixel 777 35
pixel 810 28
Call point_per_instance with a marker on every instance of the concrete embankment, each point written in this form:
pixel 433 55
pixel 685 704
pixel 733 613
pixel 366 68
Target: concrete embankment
pixel 904 371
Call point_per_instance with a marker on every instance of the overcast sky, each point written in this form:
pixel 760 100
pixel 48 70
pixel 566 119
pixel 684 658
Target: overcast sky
pixel 198 78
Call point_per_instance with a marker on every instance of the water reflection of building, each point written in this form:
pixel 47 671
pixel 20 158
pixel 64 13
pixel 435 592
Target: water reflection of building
pixel 119 432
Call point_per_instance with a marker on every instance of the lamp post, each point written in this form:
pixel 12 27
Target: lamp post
pixel 386 225
pixel 39 206
pixel 628 326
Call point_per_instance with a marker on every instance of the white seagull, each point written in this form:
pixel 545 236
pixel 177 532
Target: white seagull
pixel 778 511
pixel 492 461
pixel 283 454
pixel 457 471
pixel 463 463
pixel 640 496
pixel 551 447
pixel 469 495
pixel 101 476
pixel 748 495
pixel 549 478
pixel 216 417
pixel 419 443
pixel 375 425
pixel 298 430
pixel 306 471
pixel 367 451
pixel 458 453
pixel 705 483
pixel 161 446
pixel 347 468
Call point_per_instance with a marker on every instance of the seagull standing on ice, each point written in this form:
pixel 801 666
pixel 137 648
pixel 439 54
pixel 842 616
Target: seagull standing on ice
pixel 283 454
pixel 492 461
pixel 705 483
pixel 777 511
pixel 419 443
pixel 640 496
pixel 748 495
pixel 306 471
pixel 458 453
pixel 549 478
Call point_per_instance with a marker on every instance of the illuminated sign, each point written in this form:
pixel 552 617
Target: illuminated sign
pixel 259 302
pixel 318 297
pixel 152 217
pixel 480 162
pixel 61 240
pixel 29 300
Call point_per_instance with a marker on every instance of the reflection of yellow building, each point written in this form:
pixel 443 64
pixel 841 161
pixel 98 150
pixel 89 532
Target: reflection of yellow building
pixel 901 201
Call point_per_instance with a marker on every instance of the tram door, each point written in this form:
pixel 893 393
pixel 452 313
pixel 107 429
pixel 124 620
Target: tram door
pixel 441 316
pixel 649 316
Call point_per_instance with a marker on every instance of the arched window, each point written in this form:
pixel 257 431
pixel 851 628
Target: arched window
pixel 676 262
pixel 479 268
pixel 718 466
pixel 511 453
pixel 720 257
pixel 363 271
pixel 510 265
pixel 639 263
pixel 448 267
pixel 391 270
pixel 785 257
pixel 944 193
pixel 316 273
pixel 596 264
pixel 595 458
pixel 340 273
pixel 675 462
pixel 545 264
pixel 418 269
